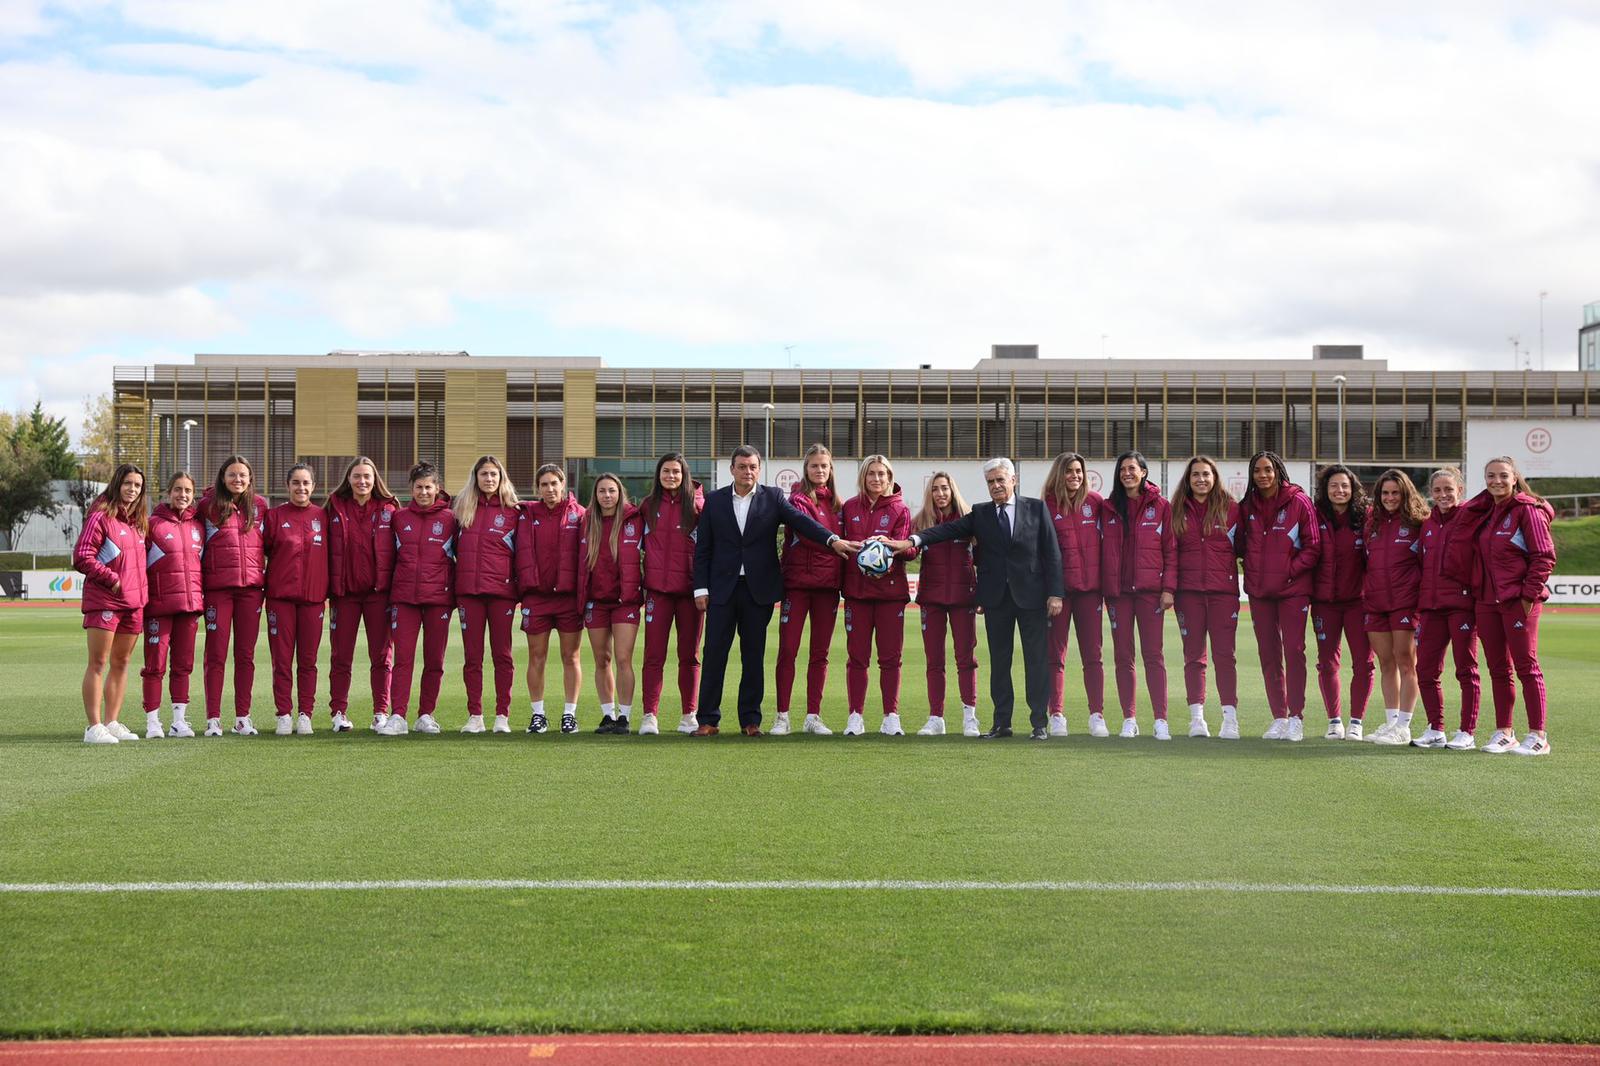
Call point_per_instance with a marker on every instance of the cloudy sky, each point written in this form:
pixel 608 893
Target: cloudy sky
pixel 893 181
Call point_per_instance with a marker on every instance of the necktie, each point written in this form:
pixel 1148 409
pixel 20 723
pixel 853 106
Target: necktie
pixel 1005 522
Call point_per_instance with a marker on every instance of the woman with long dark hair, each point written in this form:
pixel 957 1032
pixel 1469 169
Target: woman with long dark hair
pixel 947 599
pixel 610 587
pixel 296 538
pixel 110 553
pixel 421 596
pixel 1446 620
pixel 1337 616
pixel 1389 597
pixel 360 562
pixel 670 512
pixel 1077 513
pixel 1205 522
pixel 173 549
pixel 234 571
pixel 547 579
pixel 1139 574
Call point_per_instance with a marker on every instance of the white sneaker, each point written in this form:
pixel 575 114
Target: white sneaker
pixel 690 723
pixel 1297 729
pixel 1163 731
pixel 1058 725
pixel 854 726
pixel 1097 726
pixel 1433 738
pixel 377 722
pixel 152 726
pixel 181 728
pixel 1398 736
pixel 780 725
pixel 934 726
pixel 341 723
pixel 474 724
pixel 1278 730
pixel 1230 727
pixel 395 726
pixel 1532 744
pixel 969 724
pixel 213 727
pixel 244 727
pixel 120 731
pixel 1198 727
pixel 302 725
pixel 98 734
pixel 890 726
pixel 815 724
pixel 1461 740
pixel 648 726
pixel 1335 729
pixel 1502 741
pixel 1355 730
pixel 426 723
pixel 502 723
pixel 284 728
pixel 1130 728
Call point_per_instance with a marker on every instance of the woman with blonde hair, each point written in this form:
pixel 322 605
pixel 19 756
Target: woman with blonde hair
pixel 1389 595
pixel 489 522
pixel 875 604
pixel 1076 513
pixel 813 576
pixel 360 562
pixel 1445 619
pixel 947 598
pixel 610 589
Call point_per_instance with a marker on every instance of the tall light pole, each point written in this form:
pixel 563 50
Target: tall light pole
pixel 1542 294
pixel 1103 337
pixel 766 467
pixel 1516 351
pixel 1339 381
pixel 188 452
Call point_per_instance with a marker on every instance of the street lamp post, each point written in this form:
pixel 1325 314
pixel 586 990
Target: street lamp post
pixel 767 466
pixel 1339 381
pixel 188 452
pixel 1542 294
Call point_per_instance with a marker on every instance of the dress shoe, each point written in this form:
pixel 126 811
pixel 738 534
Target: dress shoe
pixel 705 731
pixel 1039 733
pixel 997 731
pixel 751 730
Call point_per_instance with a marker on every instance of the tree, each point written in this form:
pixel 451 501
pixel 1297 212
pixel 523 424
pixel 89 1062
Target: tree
pixel 99 438
pixel 25 475
pixel 51 438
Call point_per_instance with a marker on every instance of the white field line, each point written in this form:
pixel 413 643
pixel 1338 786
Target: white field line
pixel 708 885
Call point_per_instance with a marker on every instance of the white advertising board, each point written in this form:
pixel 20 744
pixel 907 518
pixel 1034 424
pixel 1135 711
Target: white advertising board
pixel 1551 447
pixel 53 584
pixel 1575 588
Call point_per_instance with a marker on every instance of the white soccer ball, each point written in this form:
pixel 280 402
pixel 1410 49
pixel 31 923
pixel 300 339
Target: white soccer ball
pixel 874 559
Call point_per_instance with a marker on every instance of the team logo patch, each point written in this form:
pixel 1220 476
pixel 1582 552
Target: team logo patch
pixel 272 618
pixel 1507 523
pixel 383 517
pixel 194 535
pixel 106 616
pixel 211 614
pixel 438 529
pixel 628 529
pixel 155 627
pixel 1405 532
pixel 1282 514
pixel 883 523
pixel 499 521
pixel 316 525
pixel 1149 512
pixel 1088 512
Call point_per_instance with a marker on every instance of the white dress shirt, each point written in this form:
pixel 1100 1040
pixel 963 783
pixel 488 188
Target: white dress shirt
pixel 741 514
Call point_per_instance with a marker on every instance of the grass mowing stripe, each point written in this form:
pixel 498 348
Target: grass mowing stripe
pixel 613 885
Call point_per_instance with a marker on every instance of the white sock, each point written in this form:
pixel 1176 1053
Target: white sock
pixel 152 717
pixel 179 710
pixel 608 710
pixel 569 708
pixel 538 706
pixel 1197 710
pixel 969 712
pixel 625 710
pixel 1390 714
pixel 1229 712
pixel 1403 717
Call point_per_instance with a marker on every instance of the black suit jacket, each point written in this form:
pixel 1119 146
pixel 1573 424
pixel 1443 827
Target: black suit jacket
pixel 720 549
pixel 1029 566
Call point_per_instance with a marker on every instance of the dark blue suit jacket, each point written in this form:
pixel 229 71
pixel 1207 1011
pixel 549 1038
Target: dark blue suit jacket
pixel 720 549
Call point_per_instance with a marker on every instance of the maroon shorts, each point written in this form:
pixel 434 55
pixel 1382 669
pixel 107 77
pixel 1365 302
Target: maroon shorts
pixel 124 621
pixel 606 615
pixel 1388 621
pixel 544 611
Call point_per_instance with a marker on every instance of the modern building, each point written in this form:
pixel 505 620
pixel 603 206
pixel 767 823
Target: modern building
pixel 1589 338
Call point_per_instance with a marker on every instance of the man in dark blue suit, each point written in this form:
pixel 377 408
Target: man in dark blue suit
pixel 737 582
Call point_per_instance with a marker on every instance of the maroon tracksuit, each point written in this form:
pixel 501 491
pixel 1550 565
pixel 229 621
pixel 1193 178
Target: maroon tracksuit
pixel 297 594
pixel 669 600
pixel 486 596
pixel 111 552
pixel 360 560
pixel 875 605
pixel 1208 602
pixel 1078 533
pixel 233 572
pixel 1280 544
pixel 1446 619
pixel 615 580
pixel 947 597
pixel 1336 609
pixel 1139 562
pixel 1506 556
pixel 547 566
pixel 812 579
pixel 421 593
pixel 173 549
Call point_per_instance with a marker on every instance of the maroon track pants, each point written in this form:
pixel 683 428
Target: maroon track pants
pixel 1511 641
pixel 1080 610
pixel 497 615
pixel 1329 621
pixel 1213 617
pixel 294 637
pixel 168 637
pixel 822 607
pixel 962 622
pixel 1280 626
pixel 1458 631
pixel 864 619
pixel 664 612
pixel 231 614
pixel 406 620
pixel 1141 612
pixel 346 616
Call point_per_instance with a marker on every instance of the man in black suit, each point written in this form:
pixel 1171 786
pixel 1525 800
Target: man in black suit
pixel 737 581
pixel 1019 587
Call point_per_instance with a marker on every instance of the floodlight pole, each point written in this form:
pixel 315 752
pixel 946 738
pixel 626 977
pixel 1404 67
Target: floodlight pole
pixel 188 452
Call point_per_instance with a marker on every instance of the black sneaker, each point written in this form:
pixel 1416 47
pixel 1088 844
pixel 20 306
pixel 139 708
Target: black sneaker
pixel 538 725
pixel 621 728
pixel 569 723
pixel 607 725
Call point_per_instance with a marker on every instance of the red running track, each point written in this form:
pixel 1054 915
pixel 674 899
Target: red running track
pixel 773 1049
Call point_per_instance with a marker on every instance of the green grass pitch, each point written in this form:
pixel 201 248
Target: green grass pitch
pixel 363 807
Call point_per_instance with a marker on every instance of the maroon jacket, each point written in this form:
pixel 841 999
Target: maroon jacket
pixel 361 548
pixel 1280 543
pixel 110 550
pixel 889 516
pixel 486 552
pixel 547 557
pixel 1206 559
pixel 1439 593
pixel 1342 563
pixel 948 577
pixel 1394 563
pixel 1502 553
pixel 297 553
pixel 173 550
pixel 1143 556
pixel 1078 533
pixel 668 550
pixel 424 554
pixel 235 556
pixel 807 564
pixel 625 572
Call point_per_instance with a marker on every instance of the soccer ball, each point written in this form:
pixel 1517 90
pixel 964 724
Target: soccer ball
pixel 874 559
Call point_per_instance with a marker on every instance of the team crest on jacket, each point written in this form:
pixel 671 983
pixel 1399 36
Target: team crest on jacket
pixel 500 521
pixel 106 616
pixel 438 529
pixel 1088 512
pixel 1283 514
pixel 883 523
pixel 1507 523
pixel 1150 512
pixel 316 525
pixel 628 529
pixel 383 517
pixel 1405 531
pixel 194 535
